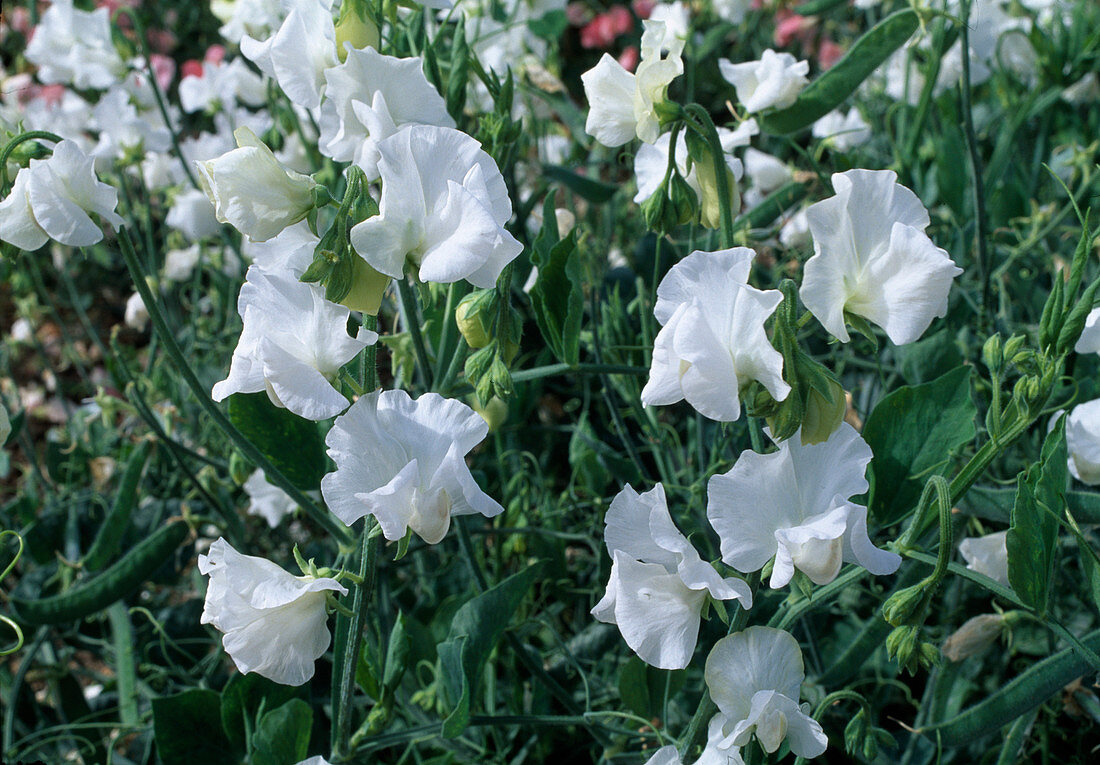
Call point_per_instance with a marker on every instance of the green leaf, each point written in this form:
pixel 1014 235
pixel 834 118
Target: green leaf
pixel 642 688
pixel 476 628
pixel 772 206
pixel 912 433
pixel 557 296
pixel 282 737
pixel 549 26
pixel 995 504
pixel 187 729
pixel 293 445
pixel 586 188
pixel 829 90
pixel 245 697
pixel 1033 534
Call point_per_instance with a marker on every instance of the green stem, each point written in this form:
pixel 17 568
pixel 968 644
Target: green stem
pixel 123 637
pixel 410 310
pixel 981 255
pixel 30 135
pixel 353 640
pixel 446 339
pixel 319 514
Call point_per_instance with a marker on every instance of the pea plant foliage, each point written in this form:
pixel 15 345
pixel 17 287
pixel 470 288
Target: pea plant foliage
pixel 524 381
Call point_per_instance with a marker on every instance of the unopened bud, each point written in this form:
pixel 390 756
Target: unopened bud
pixel 474 317
pixel 710 207
pixel 992 353
pixel 1013 347
pixel 367 287
pixel 356 27
pixel 973 637
pixel 903 604
pixel 822 416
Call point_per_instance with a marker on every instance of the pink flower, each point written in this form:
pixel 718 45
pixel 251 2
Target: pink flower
pixel 601 32
pixel 828 53
pixel 164 68
pixel 578 14
pixel 161 40
pixel 215 54
pixel 789 26
pixel 628 59
pixel 643 7
pixel 191 68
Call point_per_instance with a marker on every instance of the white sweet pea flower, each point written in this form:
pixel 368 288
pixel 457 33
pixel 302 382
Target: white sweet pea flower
pixel 403 461
pixel 842 131
pixel 712 340
pixel 666 755
pixel 755 677
pixel 291 252
pixel 622 105
pixel 369 98
pixel 292 345
pixel 773 81
pixel 1089 341
pixel 658 581
pixel 676 18
pixel 443 207
pixel 318 760
pixel 298 54
pixel 267 500
pixel 873 259
pixel 51 199
pixel 246 17
pixel 274 623
pixel 221 85
pixel 252 191
pixel 794 505
pixel 123 127
pixel 987 555
pixel 136 315
pixel 1083 442
pixel 75 48
pixel 193 215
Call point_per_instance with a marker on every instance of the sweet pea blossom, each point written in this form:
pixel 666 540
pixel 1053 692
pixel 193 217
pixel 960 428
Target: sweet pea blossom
pixel 443 207
pixel 1083 442
pixel 274 623
pixel 1089 341
pixel 873 259
pixel 712 340
pixel 987 555
pixel 658 581
pixel 651 164
pixel 299 52
pixel 621 104
pixel 292 345
pixel 369 98
pixel 221 85
pixel 403 461
pixel 755 677
pixel 51 199
pixel 795 505
pixel 267 500
pixel 842 131
pixel 252 191
pixel 74 47
pixel 773 81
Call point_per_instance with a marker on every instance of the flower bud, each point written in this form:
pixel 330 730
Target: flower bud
pixel 973 637
pixel 903 604
pixel 822 417
pixel 239 468
pixel 1013 348
pixel 367 287
pixel 494 412
pixel 992 353
pixel 474 317
pixel 355 26
pixel 905 646
pixel 710 212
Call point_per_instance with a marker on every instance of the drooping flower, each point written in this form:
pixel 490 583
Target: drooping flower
pixel 274 624
pixel 369 98
pixel 252 191
pixel 403 461
pixel 267 500
pixel 873 259
pixel 443 208
pixel 755 677
pixel 1083 442
pixel 773 81
pixel 795 505
pixel 987 555
pixel 622 105
pixel 292 345
pixel 74 47
pixel 299 52
pixel 712 341
pixel 51 199
pixel 842 131
pixel 658 581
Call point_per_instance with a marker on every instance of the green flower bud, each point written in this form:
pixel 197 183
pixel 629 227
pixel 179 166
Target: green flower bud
pixel 710 213
pixel 355 26
pixel 1013 348
pixel 474 317
pixel 239 468
pixel 494 412
pixel 366 288
pixel 822 417
pixel 992 353
pixel 856 735
pixel 973 637
pixel 903 605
